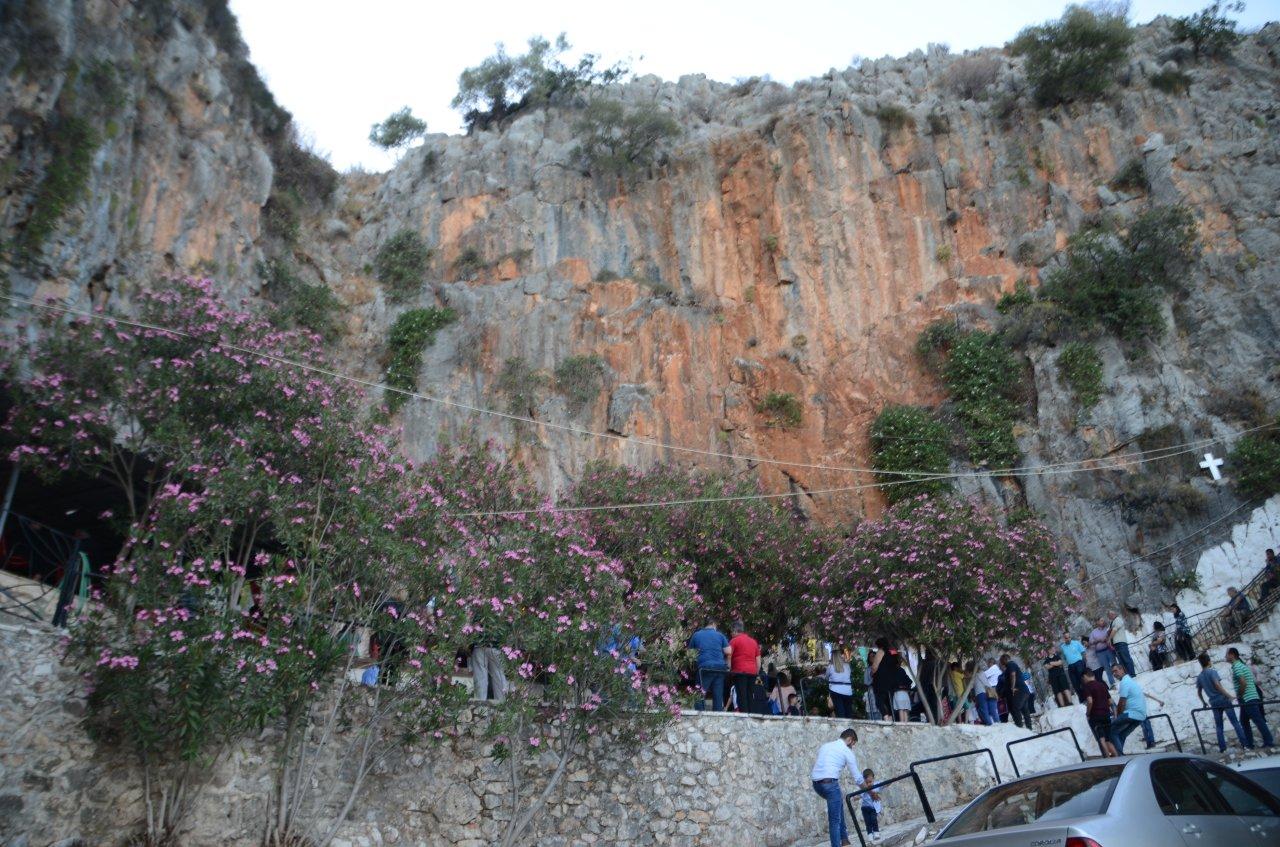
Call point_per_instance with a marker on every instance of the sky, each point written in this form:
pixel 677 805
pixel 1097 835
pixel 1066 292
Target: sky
pixel 340 66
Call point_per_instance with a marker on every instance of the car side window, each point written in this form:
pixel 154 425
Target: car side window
pixel 1180 790
pixel 1240 796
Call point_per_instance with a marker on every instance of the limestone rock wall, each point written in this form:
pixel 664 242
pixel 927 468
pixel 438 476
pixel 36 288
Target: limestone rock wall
pixel 161 100
pixel 706 780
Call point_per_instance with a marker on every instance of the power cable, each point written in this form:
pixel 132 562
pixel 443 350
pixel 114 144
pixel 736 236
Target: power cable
pixel 914 476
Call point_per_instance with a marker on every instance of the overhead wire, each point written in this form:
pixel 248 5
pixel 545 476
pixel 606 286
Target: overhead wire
pixel 914 476
pixel 1076 466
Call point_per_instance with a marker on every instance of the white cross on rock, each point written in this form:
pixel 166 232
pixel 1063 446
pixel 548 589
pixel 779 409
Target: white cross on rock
pixel 1212 464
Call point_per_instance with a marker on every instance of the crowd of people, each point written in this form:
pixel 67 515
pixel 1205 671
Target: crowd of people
pixel 1084 669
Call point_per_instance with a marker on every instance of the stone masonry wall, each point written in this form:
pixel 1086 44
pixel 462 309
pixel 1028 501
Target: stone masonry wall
pixel 706 780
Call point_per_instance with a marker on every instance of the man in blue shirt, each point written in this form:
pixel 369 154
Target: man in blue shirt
pixel 713 648
pixel 1073 656
pixel 1209 684
pixel 1131 707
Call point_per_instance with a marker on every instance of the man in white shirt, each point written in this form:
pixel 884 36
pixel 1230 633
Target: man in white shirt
pixel 987 699
pixel 833 757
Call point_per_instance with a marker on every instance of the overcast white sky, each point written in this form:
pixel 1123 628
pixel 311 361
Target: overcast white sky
pixel 340 66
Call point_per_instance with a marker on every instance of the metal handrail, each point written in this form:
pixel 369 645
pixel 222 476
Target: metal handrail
pixel 1195 721
pixel 924 798
pixel 1176 740
pixel 1009 747
pixel 1218 624
pixel 912 775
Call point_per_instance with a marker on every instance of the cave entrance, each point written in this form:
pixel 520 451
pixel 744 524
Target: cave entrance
pixel 56 536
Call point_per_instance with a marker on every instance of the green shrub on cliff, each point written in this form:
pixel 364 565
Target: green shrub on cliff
pixel 1154 502
pixel 1081 368
pixel 1210 32
pixel 619 140
pixel 909 439
pixel 1254 464
pixel 782 410
pixel 1076 57
pixel 73 142
pixel 412 333
pixel 984 379
pixel 1171 82
pixel 300 304
pixel 1116 280
pixel 1132 176
pixel 580 379
pixel 401 263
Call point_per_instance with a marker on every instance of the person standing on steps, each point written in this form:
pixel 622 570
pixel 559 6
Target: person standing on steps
pixel 1271 584
pixel 840 685
pixel 1209 684
pixel 1019 697
pixel 1250 701
pixel 871 807
pixel 1057 671
pixel 744 664
pixel 713 652
pixel 1181 634
pixel 1073 656
pixel 1238 609
pixel 1100 644
pixel 1131 708
pixel 988 697
pixel 1097 710
pixel 1158 655
pixel 1125 626
pixel 833 758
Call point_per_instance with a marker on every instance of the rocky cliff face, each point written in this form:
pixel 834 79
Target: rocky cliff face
pixel 793 240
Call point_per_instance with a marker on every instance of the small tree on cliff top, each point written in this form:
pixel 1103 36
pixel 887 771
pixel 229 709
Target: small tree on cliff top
pixel 1077 57
pixel 503 84
pixel 943 575
pixel 746 554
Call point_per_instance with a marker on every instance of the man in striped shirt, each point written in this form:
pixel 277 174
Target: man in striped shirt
pixel 1250 700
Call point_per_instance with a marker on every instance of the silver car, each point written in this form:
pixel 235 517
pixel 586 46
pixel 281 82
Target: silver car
pixel 1264 771
pixel 1160 800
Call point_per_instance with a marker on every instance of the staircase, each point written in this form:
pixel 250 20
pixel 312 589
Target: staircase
pixel 1221 628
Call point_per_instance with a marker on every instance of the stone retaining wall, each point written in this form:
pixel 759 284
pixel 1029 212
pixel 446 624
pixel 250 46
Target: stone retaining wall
pixel 706 780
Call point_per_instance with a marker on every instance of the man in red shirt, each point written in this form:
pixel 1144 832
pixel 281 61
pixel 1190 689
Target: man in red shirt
pixel 1097 704
pixel 744 664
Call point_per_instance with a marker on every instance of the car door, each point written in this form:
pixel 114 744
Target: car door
pixel 1258 810
pixel 1197 812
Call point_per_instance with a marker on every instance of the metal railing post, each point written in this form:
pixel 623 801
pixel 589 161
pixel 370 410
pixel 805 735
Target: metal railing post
pixel 1177 741
pixel 1008 748
pixel 924 799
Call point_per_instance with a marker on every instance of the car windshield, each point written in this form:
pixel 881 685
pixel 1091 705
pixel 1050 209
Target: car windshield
pixel 1268 778
pixel 1038 799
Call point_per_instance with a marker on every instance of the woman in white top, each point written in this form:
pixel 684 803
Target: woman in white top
pixel 840 685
